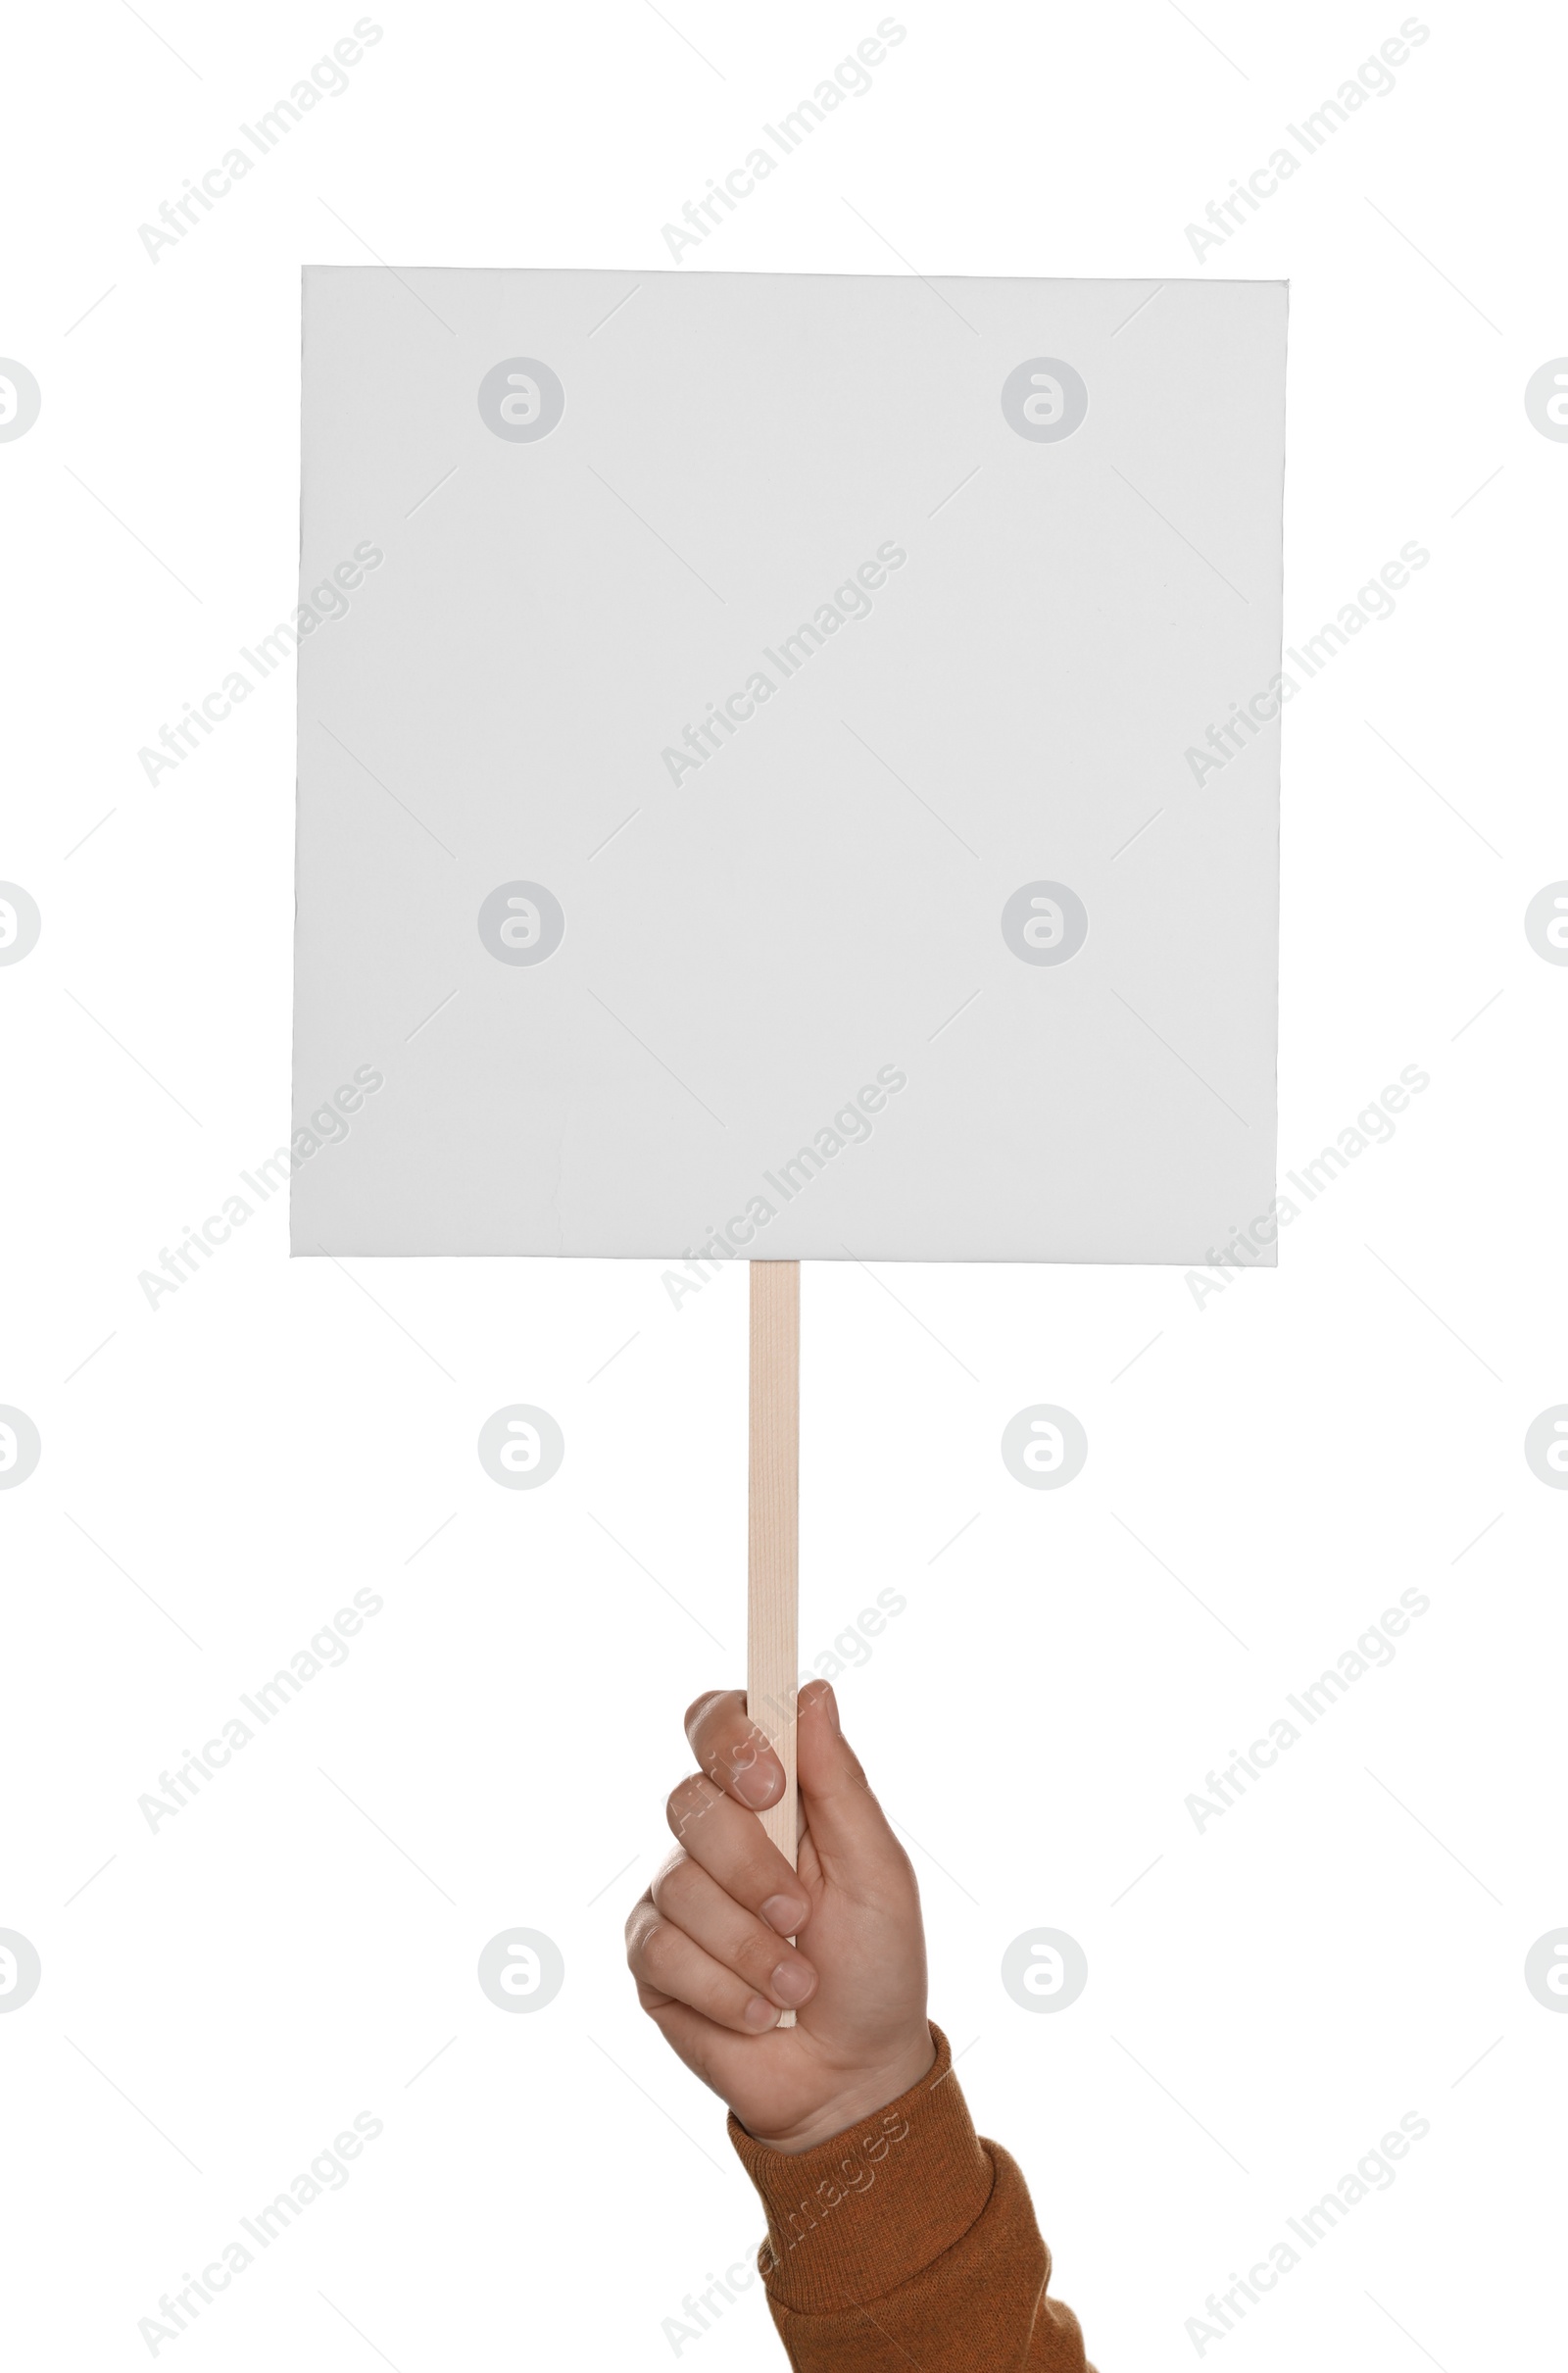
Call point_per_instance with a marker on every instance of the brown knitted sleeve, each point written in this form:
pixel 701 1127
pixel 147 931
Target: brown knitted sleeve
pixel 906 2240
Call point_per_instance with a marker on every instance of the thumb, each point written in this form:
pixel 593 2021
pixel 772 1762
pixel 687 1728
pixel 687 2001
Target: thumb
pixel 850 1832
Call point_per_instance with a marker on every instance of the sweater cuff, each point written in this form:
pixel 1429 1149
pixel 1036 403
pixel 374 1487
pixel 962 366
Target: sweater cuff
pixel 856 2216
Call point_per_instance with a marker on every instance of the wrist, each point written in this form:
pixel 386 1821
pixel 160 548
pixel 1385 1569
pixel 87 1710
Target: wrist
pixel 871 2090
pixel 868 2209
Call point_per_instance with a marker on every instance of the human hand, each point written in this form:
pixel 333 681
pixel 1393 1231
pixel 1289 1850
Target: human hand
pixel 706 1944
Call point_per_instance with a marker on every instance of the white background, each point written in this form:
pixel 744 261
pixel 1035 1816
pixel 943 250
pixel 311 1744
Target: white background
pixel 1271 1994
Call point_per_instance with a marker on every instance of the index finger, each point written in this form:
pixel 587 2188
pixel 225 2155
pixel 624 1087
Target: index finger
pixel 731 1750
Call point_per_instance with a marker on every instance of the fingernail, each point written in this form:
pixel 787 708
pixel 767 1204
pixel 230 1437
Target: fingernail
pixel 759 2014
pixel 757 1785
pixel 792 1981
pixel 785 1912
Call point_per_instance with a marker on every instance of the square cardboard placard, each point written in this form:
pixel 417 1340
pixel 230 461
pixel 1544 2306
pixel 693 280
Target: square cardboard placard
pixel 787 762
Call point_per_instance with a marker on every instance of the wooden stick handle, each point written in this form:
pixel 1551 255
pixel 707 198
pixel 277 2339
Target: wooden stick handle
pixel 772 1664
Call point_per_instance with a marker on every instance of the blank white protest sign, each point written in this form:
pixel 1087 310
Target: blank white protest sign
pixel 799 772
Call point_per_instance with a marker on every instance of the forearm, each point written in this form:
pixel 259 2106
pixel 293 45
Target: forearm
pixel 909 2239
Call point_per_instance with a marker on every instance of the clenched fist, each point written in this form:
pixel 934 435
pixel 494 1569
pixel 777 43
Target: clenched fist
pixel 709 1942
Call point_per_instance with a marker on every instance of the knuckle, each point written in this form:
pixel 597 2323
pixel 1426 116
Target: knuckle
pixel 759 1958
pixel 658 1951
pixel 718 1725
pixel 687 1802
pixel 758 1877
pixel 764 1871
pixel 672 1884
